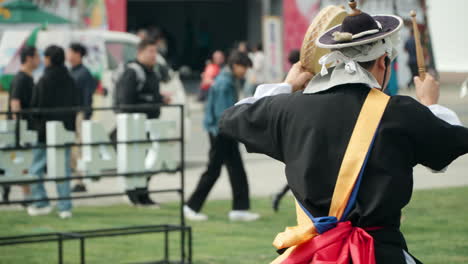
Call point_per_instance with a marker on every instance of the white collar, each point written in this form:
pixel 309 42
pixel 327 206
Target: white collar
pixel 338 76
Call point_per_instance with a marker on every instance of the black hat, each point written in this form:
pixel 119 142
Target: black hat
pixel 359 28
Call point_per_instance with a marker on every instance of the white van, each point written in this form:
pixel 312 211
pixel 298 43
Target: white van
pixel 106 51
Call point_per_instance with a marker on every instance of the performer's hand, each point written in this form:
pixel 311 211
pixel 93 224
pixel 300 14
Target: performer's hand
pixel 298 77
pixel 427 91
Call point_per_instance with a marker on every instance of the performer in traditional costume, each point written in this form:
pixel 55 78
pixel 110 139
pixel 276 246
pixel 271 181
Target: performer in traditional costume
pixel 348 148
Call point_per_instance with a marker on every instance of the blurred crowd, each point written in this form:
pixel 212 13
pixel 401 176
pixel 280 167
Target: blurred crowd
pixel 67 83
pixel 255 75
pixel 58 87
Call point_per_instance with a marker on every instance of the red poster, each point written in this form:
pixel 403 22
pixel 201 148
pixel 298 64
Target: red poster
pixel 297 16
pixel 117 15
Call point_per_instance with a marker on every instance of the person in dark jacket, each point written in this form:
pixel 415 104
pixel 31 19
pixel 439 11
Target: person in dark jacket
pixel 139 85
pixel 86 83
pixel 222 95
pixel 410 48
pixel 56 89
pixel 83 78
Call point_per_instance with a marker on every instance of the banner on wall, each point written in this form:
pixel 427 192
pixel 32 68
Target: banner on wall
pixel 92 13
pixel 95 14
pixel 273 48
pixel 118 20
pixel 298 14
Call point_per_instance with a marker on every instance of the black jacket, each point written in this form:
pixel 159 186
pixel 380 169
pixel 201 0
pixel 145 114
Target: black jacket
pixel 128 91
pixel 310 133
pixel 87 84
pixel 55 89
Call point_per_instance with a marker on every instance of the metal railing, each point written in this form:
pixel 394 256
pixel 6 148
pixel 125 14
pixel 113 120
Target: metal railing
pixel 61 237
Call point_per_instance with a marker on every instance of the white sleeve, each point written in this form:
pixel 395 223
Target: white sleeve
pixel 448 116
pixel 445 114
pixel 264 90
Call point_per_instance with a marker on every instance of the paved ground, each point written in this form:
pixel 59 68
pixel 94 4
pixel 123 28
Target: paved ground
pixel 266 176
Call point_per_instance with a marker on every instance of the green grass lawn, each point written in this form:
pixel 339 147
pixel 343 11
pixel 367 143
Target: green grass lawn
pixel 435 225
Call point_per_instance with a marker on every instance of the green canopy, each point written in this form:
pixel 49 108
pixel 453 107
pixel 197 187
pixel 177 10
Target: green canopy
pixel 25 12
pixel 12 67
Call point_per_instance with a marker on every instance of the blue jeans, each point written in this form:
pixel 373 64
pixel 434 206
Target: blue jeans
pixel 38 190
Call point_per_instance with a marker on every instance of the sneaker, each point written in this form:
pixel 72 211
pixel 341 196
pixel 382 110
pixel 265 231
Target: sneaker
pixel 132 197
pixel 65 214
pixel 145 200
pixel 275 202
pixel 6 194
pixel 35 211
pixel 79 188
pixel 25 204
pixel 243 215
pixel 194 216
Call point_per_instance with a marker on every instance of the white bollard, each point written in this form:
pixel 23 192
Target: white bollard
pixel 15 162
pixel 95 159
pixel 161 155
pixel 57 135
pixel 131 156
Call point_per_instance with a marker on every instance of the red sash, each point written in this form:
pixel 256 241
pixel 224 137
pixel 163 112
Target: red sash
pixel 336 246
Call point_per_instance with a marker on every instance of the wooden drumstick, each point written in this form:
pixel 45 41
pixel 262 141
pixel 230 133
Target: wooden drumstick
pixel 419 49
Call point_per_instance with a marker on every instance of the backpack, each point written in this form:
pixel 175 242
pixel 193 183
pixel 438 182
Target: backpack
pixel 117 75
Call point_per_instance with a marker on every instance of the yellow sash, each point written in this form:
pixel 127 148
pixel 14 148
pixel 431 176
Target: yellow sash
pixel 355 155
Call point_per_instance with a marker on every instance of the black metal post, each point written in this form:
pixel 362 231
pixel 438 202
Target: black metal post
pixel 182 182
pixel 82 250
pixel 190 249
pixel 60 249
pixel 166 246
pixel 17 130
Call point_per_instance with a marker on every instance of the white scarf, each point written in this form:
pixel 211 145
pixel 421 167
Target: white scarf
pixel 350 55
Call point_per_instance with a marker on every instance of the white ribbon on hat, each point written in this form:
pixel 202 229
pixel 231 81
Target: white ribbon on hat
pixel 368 32
pixel 362 53
pixel 336 57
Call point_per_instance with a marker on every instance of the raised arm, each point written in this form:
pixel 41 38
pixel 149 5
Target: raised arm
pixel 440 138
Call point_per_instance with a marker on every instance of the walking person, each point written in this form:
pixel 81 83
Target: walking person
pixel 137 85
pixel 21 93
pixel 255 75
pixel 55 89
pixel 212 69
pixel 86 84
pixel 222 95
pixel 410 48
